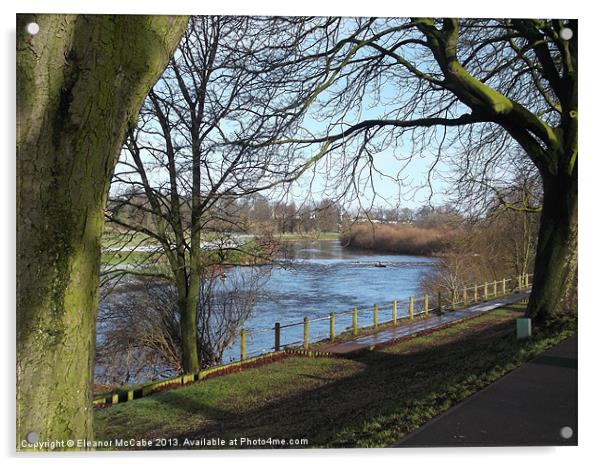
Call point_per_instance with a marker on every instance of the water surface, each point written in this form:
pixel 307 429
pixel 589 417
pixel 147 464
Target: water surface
pixel 319 277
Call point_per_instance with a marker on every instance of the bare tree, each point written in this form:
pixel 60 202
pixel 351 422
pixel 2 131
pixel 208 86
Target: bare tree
pixel 499 245
pixel 476 93
pixel 179 163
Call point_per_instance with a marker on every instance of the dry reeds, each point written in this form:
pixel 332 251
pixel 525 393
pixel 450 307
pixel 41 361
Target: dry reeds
pixel 401 239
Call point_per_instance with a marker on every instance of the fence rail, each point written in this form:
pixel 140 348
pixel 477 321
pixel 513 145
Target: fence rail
pixel 414 307
pixel 459 296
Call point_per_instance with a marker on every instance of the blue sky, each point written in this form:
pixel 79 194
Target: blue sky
pixel 411 191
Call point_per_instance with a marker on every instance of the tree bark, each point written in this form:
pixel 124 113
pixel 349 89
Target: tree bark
pixel 80 81
pixel 556 257
pixel 188 303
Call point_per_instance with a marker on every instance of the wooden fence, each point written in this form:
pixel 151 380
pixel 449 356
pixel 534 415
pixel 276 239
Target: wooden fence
pixel 414 307
pixel 459 297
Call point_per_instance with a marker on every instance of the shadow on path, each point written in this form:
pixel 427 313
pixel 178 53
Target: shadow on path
pixel 389 394
pixel 529 406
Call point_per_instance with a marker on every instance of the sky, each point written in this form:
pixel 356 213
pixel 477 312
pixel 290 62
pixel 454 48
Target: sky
pixel 403 183
pixel 408 189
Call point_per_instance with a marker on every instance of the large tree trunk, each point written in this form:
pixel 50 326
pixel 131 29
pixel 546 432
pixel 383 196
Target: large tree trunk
pixel 556 257
pixel 80 80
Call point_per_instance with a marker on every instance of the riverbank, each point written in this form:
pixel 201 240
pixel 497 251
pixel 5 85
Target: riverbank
pixel 136 249
pixel 368 399
pixel 315 236
pixel 398 239
pixel 313 279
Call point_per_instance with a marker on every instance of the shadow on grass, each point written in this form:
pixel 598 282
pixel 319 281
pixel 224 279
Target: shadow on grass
pixel 390 395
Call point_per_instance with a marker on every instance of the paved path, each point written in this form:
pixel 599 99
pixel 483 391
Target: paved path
pixel 527 407
pixel 420 325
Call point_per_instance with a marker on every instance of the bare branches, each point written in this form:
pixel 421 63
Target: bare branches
pixel 387 82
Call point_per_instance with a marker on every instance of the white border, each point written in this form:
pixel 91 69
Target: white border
pixel 590 321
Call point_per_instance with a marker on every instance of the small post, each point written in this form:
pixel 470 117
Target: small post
pixel 115 398
pixel 476 294
pixel 439 302
pixel 243 344
pixel 465 296
pixel 305 332
pixel 495 289
pixel 395 312
pixel 523 328
pixel 485 291
pixel 503 286
pixel 332 326
pixel 519 282
pixel 277 336
pixel 453 299
pixel 376 316
pixel 354 321
pixel 411 307
pixel 425 307
pixel 526 280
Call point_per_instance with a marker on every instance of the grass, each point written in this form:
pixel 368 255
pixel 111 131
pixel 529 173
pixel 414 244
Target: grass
pixel 368 399
pixel 245 254
pixel 248 253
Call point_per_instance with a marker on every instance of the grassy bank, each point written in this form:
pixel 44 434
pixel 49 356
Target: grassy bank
pixel 117 250
pixel 366 400
pixel 401 239
pixel 249 253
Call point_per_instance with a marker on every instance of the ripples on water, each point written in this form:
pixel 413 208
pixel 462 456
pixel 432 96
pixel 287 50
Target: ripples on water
pixel 317 278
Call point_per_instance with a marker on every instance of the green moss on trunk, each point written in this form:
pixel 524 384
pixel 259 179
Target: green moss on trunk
pixel 556 257
pixel 80 80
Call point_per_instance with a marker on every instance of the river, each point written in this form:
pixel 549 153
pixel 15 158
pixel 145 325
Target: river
pixel 313 279
pixel 320 277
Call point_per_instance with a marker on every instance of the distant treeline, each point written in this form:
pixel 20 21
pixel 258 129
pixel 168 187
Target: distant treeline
pixel 402 239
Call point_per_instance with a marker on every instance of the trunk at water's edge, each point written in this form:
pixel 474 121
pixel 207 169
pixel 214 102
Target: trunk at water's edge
pixel 556 259
pixel 188 327
pixel 80 80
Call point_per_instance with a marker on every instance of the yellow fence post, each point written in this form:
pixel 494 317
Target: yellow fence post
pixel 411 307
pixel 503 286
pixel 485 291
pixel 476 294
pixel 526 280
pixel 243 344
pixel 453 299
pixel 495 288
pixel 519 282
pixel 354 321
pixel 332 326
pixel 305 332
pixel 439 302
pixel 395 312
pixel 115 398
pixel 465 296
pixel 425 306
pixel 376 316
